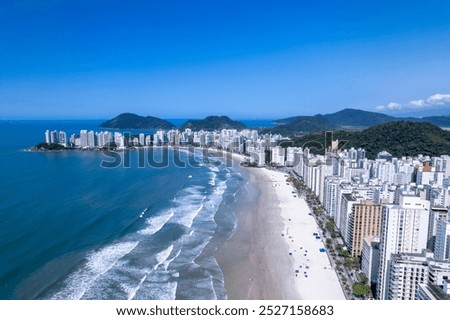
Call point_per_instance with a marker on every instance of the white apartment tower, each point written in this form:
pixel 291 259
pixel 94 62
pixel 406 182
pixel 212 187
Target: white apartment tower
pixel 407 271
pixel 347 202
pixel 404 229
pixel 54 136
pixel 331 195
pixel 83 138
pixel 370 258
pixel 278 155
pixel 63 138
pixel 91 139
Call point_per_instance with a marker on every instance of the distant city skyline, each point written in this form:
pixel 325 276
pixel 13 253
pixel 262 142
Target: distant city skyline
pixel 248 60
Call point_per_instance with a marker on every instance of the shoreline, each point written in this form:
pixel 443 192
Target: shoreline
pixel 273 254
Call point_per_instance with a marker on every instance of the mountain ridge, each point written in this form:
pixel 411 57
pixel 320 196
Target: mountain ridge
pixel 347 118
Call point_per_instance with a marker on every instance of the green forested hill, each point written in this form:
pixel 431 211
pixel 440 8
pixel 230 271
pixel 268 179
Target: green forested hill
pixel 134 121
pixel 400 138
pixel 212 123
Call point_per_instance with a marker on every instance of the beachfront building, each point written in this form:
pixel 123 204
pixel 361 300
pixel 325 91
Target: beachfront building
pixel 364 221
pixel 91 139
pixel 370 258
pixel 292 156
pixel 404 229
pixel 331 195
pixel 347 202
pixel 119 140
pixel 148 140
pixel 314 171
pixel 83 138
pixel 344 188
pixel 141 139
pixel 62 139
pixel 278 156
pixel 54 136
pixel 257 155
pixel 298 162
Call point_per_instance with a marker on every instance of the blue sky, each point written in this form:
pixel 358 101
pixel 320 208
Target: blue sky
pixel 246 59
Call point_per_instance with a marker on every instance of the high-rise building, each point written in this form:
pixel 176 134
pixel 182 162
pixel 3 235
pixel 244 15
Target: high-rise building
pixel 278 155
pixel 72 139
pixel 119 140
pixel 360 157
pixel 47 136
pixel 407 271
pixel 410 270
pixel 83 138
pixel 91 139
pixel 142 139
pixel 291 156
pixel 370 258
pixel 385 171
pixel 442 243
pixel 54 136
pixel 148 140
pixel 331 195
pixel 404 229
pixel 257 156
pixel 436 213
pixel 446 165
pixel 434 292
pixel 347 202
pixel 63 138
pixel 364 221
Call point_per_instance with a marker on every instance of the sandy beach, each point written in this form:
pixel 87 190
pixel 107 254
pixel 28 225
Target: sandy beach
pixel 273 253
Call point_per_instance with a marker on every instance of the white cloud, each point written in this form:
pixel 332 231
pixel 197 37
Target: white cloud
pixel 418 103
pixel 389 106
pixel 394 106
pixel 439 99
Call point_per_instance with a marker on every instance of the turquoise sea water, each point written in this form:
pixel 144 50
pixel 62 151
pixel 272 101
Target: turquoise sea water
pixel 72 229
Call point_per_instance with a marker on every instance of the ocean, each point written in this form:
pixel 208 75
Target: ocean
pixel 72 229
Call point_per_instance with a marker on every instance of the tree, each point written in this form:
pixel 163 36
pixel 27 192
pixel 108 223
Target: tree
pixel 361 289
pixel 363 278
pixel 344 253
pixel 352 262
pixel 330 225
